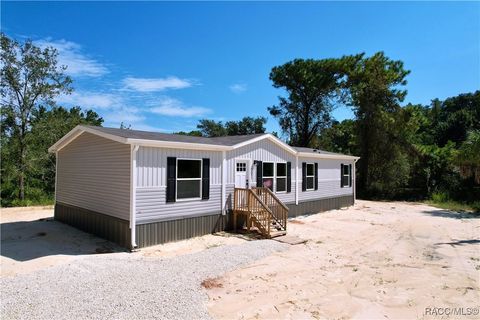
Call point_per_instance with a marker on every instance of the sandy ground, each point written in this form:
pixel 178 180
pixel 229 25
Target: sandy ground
pixel 377 260
pixel 32 241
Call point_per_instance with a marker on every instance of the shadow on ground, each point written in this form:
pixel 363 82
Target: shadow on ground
pixel 452 214
pixel 460 242
pixel 27 240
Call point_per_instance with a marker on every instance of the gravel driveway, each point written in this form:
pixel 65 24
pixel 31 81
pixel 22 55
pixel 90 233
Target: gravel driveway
pixel 125 286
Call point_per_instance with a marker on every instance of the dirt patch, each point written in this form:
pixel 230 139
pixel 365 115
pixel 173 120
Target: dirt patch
pixel 376 260
pixel 296 222
pixel 212 283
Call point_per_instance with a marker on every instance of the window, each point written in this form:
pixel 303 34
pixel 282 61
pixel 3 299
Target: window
pixel 268 175
pixel 241 167
pixel 189 179
pixel 310 176
pixel 281 177
pixel 346 176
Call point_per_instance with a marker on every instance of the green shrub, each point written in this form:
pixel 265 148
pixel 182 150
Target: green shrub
pixel 440 197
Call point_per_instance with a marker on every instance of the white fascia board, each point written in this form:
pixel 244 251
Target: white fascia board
pixel 269 136
pixel 71 135
pixel 327 156
pixel 77 131
pixel 177 145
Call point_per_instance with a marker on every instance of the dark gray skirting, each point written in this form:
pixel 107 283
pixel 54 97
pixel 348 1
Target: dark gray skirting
pixel 149 234
pixel 102 225
pixel 166 231
pixel 315 206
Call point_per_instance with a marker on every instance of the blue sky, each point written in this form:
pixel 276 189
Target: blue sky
pixel 162 66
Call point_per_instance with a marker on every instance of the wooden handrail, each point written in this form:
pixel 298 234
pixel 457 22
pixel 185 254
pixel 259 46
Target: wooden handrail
pixel 276 198
pixel 278 208
pixel 263 206
pixel 263 215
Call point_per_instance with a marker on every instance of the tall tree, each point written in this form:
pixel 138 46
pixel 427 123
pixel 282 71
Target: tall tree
pixel 313 87
pixel 376 89
pixel 212 128
pixel 247 125
pixel 340 138
pixel 47 127
pixel 30 77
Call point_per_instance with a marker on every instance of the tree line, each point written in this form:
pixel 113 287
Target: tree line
pixel 409 152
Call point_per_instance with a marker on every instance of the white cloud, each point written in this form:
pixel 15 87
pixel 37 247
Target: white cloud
pixel 173 107
pixel 155 84
pixel 89 100
pixel 70 54
pixel 238 87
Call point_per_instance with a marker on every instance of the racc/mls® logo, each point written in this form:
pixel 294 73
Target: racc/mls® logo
pixel 451 311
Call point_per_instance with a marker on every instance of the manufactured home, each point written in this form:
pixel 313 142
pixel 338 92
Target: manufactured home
pixel 140 188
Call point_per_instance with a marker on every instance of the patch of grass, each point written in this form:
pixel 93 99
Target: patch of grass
pixel 30 203
pixel 443 201
pixel 455 205
pixel 212 283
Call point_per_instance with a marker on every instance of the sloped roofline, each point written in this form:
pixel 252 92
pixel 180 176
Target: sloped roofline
pixel 80 129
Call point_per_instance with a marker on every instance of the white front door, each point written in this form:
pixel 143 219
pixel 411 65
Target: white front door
pixel 241 174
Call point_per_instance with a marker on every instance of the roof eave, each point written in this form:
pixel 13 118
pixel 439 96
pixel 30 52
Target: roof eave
pixel 328 156
pixel 177 145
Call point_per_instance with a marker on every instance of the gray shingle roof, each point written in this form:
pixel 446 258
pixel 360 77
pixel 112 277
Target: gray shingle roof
pixel 147 135
pixel 315 151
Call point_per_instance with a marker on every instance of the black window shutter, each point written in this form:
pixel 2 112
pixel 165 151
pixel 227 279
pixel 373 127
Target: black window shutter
pixel 289 177
pixel 341 175
pixel 205 178
pixel 316 176
pixel 259 173
pixel 171 177
pixel 304 176
pixel 350 177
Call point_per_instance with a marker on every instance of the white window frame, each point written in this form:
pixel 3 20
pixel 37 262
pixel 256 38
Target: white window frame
pixel 277 176
pixel 349 184
pixel 241 163
pixel 264 176
pixel 311 176
pixel 188 179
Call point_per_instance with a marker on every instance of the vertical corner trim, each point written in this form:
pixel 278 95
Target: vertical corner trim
pixel 133 194
pixel 224 182
pixel 56 177
pixel 296 180
pixel 354 178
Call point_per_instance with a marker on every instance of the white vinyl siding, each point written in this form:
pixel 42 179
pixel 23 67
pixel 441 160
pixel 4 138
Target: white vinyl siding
pixel 328 179
pixel 152 164
pixel 265 151
pixel 94 173
pixel 151 205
